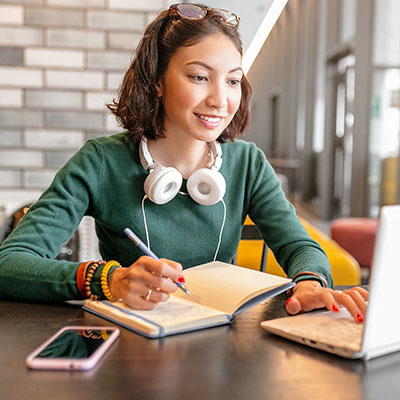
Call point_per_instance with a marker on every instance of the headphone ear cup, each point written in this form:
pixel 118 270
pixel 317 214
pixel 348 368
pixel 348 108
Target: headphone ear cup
pixel 162 185
pixel 206 186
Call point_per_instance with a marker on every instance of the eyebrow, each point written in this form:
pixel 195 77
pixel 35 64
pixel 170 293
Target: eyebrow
pixel 203 64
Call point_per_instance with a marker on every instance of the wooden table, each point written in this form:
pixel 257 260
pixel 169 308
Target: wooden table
pixel 239 361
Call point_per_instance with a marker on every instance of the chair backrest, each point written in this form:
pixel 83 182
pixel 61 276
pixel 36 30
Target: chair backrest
pixel 252 253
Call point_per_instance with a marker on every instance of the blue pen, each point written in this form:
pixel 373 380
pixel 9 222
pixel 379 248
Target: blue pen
pixel 149 253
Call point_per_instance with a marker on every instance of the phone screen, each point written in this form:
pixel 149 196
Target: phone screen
pixel 73 348
pixel 75 344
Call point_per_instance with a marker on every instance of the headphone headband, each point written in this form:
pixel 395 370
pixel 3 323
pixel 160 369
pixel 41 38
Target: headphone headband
pixel 148 162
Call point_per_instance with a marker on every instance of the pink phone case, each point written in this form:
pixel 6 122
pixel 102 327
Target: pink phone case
pixel 71 364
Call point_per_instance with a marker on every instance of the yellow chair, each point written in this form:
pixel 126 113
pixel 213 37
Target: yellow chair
pixel 345 269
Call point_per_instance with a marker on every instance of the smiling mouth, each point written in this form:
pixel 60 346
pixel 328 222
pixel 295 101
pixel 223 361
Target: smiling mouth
pixel 210 119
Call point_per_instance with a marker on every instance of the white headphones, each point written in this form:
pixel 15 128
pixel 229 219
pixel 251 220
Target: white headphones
pixel 206 186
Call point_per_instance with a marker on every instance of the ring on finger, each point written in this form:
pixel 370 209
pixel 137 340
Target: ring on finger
pixel 148 294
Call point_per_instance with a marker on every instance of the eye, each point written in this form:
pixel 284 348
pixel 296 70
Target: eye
pixel 234 82
pixel 198 78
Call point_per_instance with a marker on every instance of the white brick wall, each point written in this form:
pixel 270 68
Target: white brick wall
pixel 137 4
pixel 98 100
pixel 74 79
pixel 54 139
pixel 75 38
pixel 20 36
pixel 37 179
pixel 11 15
pixel 108 60
pixel 76 3
pixel 10 178
pixel 21 158
pixel 116 20
pixel 10 97
pixel 44 57
pixel 62 61
pixel 20 77
pixel 49 99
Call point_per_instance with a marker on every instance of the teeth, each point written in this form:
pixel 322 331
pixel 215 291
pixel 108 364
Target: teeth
pixel 210 119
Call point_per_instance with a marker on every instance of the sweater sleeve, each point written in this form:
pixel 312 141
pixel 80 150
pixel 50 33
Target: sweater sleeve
pixel 277 222
pixel 28 270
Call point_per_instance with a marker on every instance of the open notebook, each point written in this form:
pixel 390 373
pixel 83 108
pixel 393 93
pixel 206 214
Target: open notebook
pixel 337 332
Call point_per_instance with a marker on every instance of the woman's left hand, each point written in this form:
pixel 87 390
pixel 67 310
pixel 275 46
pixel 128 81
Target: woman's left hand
pixel 309 295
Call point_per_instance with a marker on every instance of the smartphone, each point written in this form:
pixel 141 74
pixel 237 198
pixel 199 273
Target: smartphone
pixel 73 348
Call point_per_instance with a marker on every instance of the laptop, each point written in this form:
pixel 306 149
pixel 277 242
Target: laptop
pixel 338 333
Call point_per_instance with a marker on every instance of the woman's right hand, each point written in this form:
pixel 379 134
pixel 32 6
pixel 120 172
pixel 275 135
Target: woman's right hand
pixel 146 282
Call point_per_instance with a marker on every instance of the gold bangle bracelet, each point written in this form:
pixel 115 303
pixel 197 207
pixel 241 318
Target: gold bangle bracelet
pixel 104 279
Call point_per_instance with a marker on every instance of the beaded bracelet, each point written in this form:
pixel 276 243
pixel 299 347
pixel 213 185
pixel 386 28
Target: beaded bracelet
pixel 104 279
pixel 88 280
pixel 80 277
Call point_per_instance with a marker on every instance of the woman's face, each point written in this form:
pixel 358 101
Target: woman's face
pixel 201 89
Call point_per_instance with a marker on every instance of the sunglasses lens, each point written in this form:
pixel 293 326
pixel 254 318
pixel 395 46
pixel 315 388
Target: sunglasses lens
pixel 229 17
pixel 191 11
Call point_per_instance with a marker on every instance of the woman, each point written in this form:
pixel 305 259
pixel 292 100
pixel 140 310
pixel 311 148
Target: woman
pixel 178 177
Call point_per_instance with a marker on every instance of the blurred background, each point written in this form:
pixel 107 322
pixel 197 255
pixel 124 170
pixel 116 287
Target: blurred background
pixel 325 74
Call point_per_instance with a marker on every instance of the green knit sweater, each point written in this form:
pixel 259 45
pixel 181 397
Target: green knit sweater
pixel 105 180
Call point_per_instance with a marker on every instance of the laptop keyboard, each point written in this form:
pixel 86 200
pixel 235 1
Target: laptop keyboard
pixel 335 329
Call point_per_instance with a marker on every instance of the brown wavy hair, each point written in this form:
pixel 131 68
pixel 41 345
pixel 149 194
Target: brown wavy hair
pixel 138 108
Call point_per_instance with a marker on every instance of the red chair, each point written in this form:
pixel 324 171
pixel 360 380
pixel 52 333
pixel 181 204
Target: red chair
pixel 357 236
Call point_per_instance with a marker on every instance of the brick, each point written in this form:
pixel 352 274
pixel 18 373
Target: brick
pixel 54 17
pixel 10 98
pixel 114 80
pixel 53 139
pixel 74 120
pixel 75 79
pixel 112 124
pixel 150 17
pixel 20 118
pixel 20 77
pixel 45 57
pixel 98 100
pixel 75 38
pixel 10 56
pixel 110 20
pixel 12 199
pixel 56 159
pixel 21 158
pixel 38 179
pixel 93 135
pixel 10 178
pixel 125 41
pixel 10 137
pixel 76 3
pixel 23 1
pixel 20 36
pixel 137 4
pixel 11 15
pixel 49 99
pixel 109 60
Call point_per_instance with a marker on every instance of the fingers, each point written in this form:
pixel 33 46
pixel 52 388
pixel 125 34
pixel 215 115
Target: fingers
pixel 293 306
pixel 146 282
pixel 354 300
pixel 309 295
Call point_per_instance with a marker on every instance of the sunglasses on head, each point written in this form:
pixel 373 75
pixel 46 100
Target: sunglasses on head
pixel 198 12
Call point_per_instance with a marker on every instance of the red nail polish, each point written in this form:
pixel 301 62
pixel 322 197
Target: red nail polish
pixel 335 308
pixel 360 318
pixel 181 279
pixel 288 300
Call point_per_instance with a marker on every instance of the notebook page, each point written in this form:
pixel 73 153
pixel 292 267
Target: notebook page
pixel 225 286
pixel 173 312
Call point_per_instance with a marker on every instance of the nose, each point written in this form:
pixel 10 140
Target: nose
pixel 217 96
